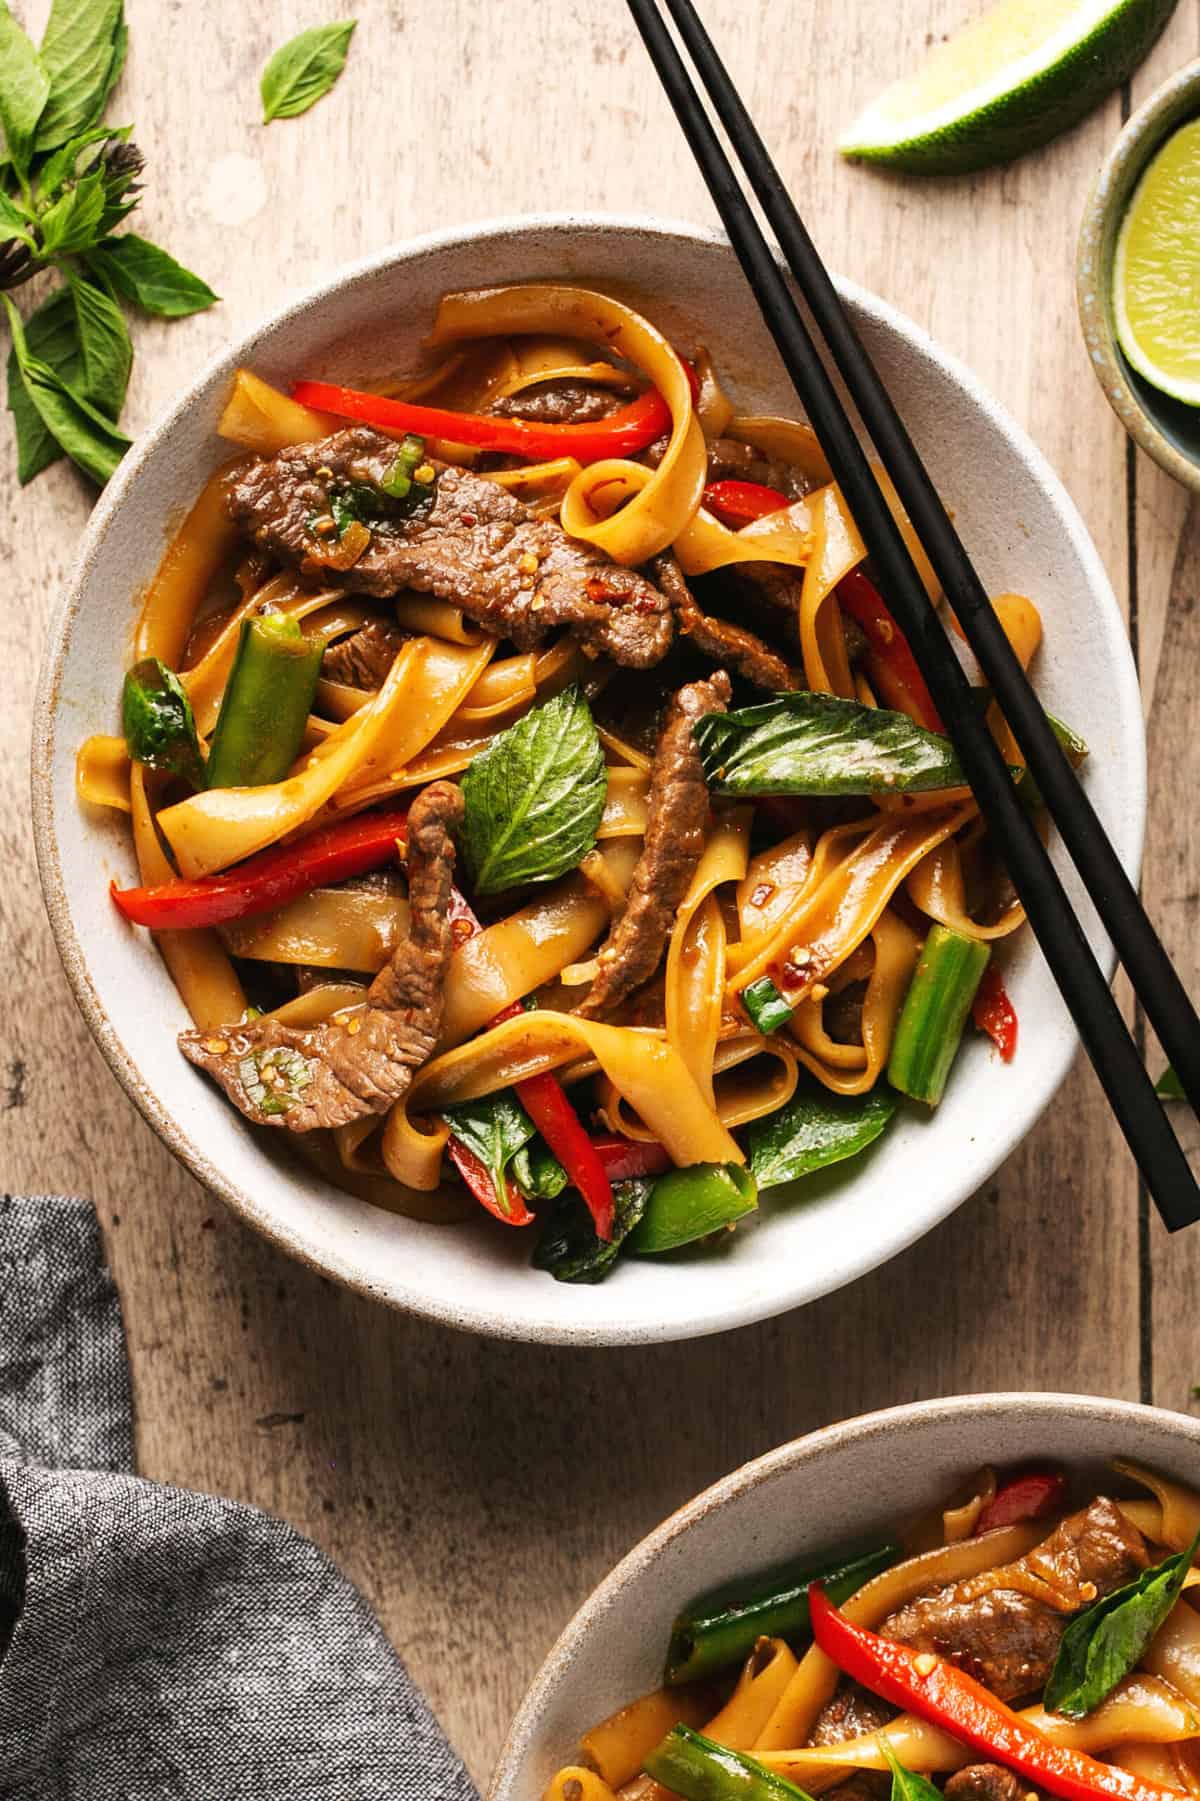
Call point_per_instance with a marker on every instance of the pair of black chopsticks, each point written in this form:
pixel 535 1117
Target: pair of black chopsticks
pixel 1063 941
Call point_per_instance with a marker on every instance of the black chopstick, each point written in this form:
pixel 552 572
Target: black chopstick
pixel 1105 1037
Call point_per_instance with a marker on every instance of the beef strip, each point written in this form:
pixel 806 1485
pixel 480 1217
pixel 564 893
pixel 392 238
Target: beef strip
pixel 676 814
pixel 852 1712
pixel 475 545
pixel 561 402
pixel 730 645
pixel 988 1782
pixel 330 1074
pixel 1004 1626
pixel 364 658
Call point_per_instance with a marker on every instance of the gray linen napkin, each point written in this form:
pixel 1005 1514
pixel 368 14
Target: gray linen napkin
pixel 161 1643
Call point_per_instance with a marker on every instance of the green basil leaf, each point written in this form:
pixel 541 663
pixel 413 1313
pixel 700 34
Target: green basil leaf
pixel 52 338
pixel 146 275
pixel 568 1248
pixel 815 1129
pixel 104 346
pixel 78 48
pixel 495 1127
pixel 70 223
pixel 538 1173
pixel 1106 1641
pixel 817 744
pixel 907 1785
pixel 24 90
pixel 13 222
pixel 62 165
pixel 1169 1087
pixel 303 70
pixel 89 439
pixel 533 799
pixel 156 717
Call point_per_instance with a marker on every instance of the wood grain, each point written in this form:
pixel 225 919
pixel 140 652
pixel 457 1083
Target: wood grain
pixel 477 1491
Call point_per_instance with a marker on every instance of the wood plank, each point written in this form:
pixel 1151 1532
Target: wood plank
pixel 476 1491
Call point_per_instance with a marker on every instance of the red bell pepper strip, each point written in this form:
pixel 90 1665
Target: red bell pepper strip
pixel 1029 1495
pixel 740 503
pixel 544 1099
pixel 993 1013
pixel 937 1691
pixel 621 434
pixel 269 879
pixel 891 664
pixel 513 1211
pixel 621 1158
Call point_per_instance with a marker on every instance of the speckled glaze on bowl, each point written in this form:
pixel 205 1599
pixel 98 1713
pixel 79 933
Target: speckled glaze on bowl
pixel 1166 429
pixel 1025 534
pixel 849 1482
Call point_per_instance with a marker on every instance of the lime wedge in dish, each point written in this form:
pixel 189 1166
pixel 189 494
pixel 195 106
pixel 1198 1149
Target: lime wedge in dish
pixel 1156 271
pixel 1006 83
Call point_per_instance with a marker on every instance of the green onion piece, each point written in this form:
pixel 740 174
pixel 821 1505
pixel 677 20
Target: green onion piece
pixel 766 1006
pixel 157 720
pixel 720 1629
pixel 687 1204
pixel 267 702
pixel 397 478
pixel 930 1027
pixel 697 1769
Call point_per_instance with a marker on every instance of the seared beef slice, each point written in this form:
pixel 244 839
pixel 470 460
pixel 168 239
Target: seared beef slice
pixel 676 815
pixel 330 1074
pixel 476 545
pixel 1004 1626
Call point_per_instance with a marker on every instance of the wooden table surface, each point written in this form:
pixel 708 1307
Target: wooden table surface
pixel 477 1491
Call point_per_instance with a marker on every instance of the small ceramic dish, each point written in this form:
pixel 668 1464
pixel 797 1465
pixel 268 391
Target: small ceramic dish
pixel 1165 428
pixel 853 1482
pixel 1025 534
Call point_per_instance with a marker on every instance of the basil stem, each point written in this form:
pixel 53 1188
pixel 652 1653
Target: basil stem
pixel 266 705
pixel 720 1629
pixel 156 717
pixel 930 1027
pixel 697 1769
pixel 687 1204
pixel 766 1006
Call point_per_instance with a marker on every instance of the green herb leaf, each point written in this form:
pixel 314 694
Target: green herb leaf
pixel 106 351
pixel 538 1173
pixel 78 47
pixel 24 90
pixel 156 717
pixel 146 275
pixel 1168 1086
pixel 907 1785
pixel 568 1248
pixel 816 744
pixel 51 336
pixel 495 1127
pixel 13 222
pixel 89 439
pixel 303 70
pixel 63 164
pixel 70 223
pixel 1107 1640
pixel 815 1129
pixel 534 798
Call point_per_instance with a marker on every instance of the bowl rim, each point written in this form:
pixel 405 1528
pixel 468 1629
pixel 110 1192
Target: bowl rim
pixel 472 1314
pixel 796 1454
pixel 1140 138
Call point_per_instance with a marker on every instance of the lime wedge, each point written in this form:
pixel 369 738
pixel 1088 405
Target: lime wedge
pixel 1156 271
pixel 1006 83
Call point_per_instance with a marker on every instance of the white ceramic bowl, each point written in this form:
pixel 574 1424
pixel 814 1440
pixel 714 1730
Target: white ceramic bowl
pixel 1025 534
pixel 849 1482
